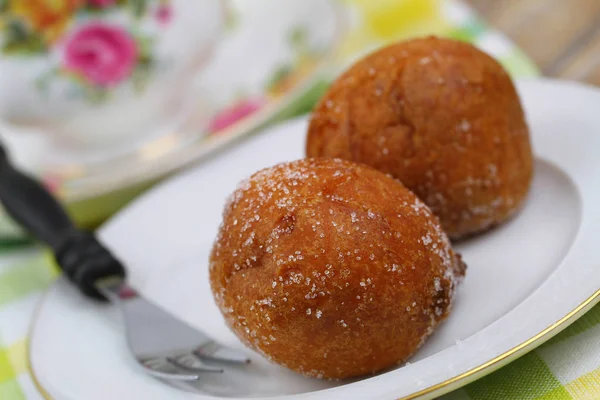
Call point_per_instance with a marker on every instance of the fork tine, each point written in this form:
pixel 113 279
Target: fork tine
pixel 172 376
pixel 161 368
pixel 188 362
pixel 216 352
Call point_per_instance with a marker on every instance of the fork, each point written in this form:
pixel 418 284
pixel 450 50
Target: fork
pixel 165 346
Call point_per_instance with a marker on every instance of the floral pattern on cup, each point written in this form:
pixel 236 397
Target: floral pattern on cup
pixel 102 54
pixel 95 52
pixel 282 79
pixel 234 113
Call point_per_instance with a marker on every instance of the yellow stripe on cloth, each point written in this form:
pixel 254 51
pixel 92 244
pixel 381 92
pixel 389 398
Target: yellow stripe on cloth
pixel 585 387
pixel 6 371
pixel 17 356
pixel 12 361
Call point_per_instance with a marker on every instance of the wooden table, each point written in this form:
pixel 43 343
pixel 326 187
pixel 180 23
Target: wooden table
pixel 561 36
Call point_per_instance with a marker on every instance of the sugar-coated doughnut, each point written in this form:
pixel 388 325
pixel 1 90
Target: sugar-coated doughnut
pixel 331 268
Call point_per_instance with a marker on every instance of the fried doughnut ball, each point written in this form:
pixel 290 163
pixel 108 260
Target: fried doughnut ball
pixel 442 117
pixel 331 268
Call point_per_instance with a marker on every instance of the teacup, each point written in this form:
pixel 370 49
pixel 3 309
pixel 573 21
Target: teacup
pixel 98 72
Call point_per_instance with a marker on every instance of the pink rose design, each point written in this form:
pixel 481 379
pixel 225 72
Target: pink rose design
pixel 103 54
pixel 231 115
pixel 101 3
pixel 164 14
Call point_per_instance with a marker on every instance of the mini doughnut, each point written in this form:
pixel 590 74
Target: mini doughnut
pixel 331 268
pixel 442 117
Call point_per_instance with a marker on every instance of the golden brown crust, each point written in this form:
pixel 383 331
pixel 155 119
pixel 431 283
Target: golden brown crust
pixel 441 116
pixel 331 268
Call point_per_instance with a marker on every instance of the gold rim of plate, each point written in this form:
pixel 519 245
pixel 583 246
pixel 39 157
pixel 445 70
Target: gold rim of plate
pixel 433 390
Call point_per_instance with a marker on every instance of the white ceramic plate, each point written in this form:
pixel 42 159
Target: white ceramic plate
pixel 526 280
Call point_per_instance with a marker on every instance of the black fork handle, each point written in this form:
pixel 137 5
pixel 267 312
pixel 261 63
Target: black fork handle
pixel 79 254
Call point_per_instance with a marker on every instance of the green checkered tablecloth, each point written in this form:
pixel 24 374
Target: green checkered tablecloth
pixel 566 367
